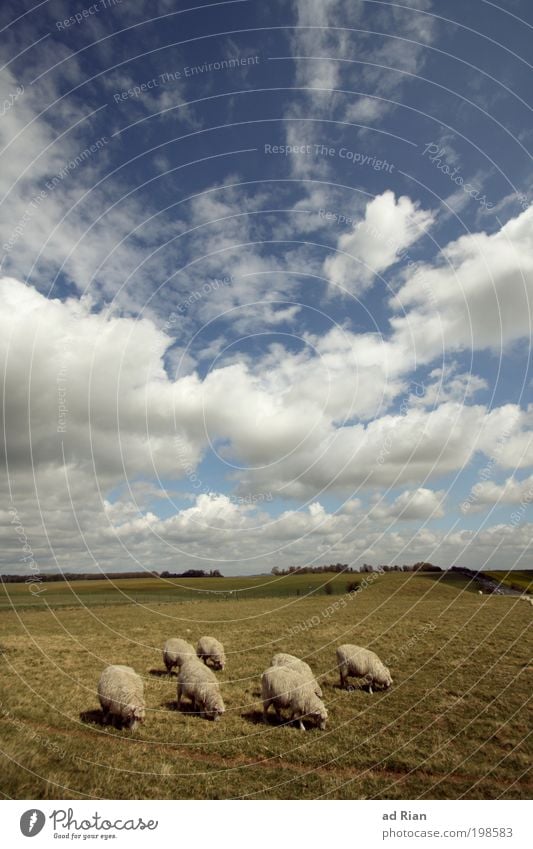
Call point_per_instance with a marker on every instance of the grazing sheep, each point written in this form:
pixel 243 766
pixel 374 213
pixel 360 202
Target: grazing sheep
pixel 175 652
pixel 286 688
pixel 209 649
pixel 358 662
pixel 121 694
pixel 283 659
pixel 199 684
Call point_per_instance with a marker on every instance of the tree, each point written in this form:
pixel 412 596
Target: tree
pixel 422 566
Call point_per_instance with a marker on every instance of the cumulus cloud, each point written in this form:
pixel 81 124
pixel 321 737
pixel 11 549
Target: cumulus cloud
pixel 389 227
pixel 414 446
pixel 477 294
pixel 420 503
pixel 511 491
pixel 89 385
pixel 216 531
pixel 299 415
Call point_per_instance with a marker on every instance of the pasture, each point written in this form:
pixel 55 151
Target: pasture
pixel 455 724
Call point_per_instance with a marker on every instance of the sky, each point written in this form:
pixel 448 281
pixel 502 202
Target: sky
pixel 265 284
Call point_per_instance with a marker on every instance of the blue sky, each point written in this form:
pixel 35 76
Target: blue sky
pixel 266 283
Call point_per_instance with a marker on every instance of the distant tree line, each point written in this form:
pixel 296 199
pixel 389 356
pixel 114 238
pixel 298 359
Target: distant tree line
pixel 422 566
pixel 312 570
pixel 193 573
pixel 113 576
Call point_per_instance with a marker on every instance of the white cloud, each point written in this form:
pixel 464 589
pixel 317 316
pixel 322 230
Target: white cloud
pixel 216 531
pixel 421 503
pixel 511 491
pixel 107 372
pixel 389 227
pixel 477 295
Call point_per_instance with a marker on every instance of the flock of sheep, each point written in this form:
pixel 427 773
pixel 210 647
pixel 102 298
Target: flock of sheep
pixel 288 684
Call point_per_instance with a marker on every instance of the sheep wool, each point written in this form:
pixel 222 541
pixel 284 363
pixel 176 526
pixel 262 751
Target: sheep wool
pixel 283 659
pixel 358 662
pixel 287 689
pixel 211 651
pixel 199 684
pixel 175 652
pixel 121 694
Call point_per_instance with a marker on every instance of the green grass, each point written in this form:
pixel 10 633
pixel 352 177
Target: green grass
pixel 152 590
pixel 520 579
pixel 454 724
pixel 161 591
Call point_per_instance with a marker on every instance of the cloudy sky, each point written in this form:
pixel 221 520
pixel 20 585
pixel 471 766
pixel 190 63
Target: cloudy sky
pixel 265 285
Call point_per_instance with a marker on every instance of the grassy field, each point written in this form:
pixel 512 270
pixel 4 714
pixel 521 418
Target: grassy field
pixel 520 579
pixel 151 590
pixel 158 590
pixel 455 723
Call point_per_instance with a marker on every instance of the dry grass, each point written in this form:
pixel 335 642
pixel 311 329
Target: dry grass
pixel 454 724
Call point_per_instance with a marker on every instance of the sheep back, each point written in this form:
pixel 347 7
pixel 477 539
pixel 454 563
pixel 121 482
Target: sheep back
pixel 358 662
pixel 175 651
pixel 200 684
pixel 287 689
pixel 121 695
pixel 284 659
pixel 211 650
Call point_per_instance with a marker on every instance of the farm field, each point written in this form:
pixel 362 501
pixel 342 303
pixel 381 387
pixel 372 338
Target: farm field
pixel 153 590
pixel 455 723
pixel 521 579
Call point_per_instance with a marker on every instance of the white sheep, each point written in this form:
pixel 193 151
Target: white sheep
pixel 358 662
pixel 212 650
pixel 121 694
pixel 175 651
pixel 286 688
pixel 283 659
pixel 199 684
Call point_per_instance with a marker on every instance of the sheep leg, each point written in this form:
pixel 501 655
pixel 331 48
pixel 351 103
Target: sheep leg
pixel 179 696
pixel 344 677
pixel 370 687
pixel 299 720
pixel 266 706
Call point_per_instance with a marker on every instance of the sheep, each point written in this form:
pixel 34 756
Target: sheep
pixel 199 684
pixel 209 649
pixel 286 687
pixel 283 659
pixel 121 694
pixel 175 651
pixel 358 662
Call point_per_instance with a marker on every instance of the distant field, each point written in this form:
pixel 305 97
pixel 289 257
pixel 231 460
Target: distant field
pixel 454 724
pixel 521 579
pixel 154 590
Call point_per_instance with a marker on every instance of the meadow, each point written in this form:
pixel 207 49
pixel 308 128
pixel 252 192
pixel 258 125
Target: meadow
pixel 455 724
pixel 518 579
